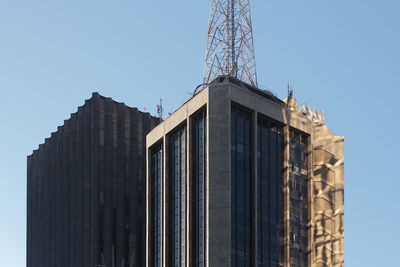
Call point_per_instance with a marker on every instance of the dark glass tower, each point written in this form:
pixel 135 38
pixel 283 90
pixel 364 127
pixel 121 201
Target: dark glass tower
pixel 86 189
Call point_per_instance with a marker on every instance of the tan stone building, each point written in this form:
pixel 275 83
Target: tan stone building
pixel 238 177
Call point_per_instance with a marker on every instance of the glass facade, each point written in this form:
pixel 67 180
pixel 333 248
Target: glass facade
pixel 241 182
pixel 177 179
pixel 298 180
pixel 269 194
pixel 255 194
pixel 199 160
pixel 157 194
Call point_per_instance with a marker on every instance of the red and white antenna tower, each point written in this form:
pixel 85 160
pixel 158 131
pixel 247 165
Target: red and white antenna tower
pixel 230 48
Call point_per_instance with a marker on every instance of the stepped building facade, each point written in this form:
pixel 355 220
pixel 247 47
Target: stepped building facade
pixel 86 189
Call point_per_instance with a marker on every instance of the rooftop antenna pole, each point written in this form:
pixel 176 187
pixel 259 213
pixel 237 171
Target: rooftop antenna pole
pixel 230 46
pixel 290 91
pixel 160 109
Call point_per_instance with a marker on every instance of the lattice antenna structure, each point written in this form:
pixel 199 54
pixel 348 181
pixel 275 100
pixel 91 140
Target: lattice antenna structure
pixel 230 46
pixel 160 110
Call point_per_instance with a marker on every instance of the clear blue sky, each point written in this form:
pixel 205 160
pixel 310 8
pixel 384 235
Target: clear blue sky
pixel 343 56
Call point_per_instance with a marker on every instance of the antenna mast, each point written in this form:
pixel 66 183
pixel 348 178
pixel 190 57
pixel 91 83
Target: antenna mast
pixel 230 48
pixel 160 109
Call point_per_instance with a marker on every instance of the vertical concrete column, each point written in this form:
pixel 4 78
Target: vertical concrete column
pixel 207 190
pixel 310 189
pixel 148 208
pixel 219 190
pixel 165 179
pixel 286 191
pixel 189 197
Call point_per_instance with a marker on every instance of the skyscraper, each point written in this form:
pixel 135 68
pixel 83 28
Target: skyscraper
pixel 86 189
pixel 238 177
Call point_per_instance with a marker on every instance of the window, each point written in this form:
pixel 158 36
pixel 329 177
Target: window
pixel 199 160
pixel 157 194
pixel 177 180
pixel 298 198
pixel 270 196
pixel 241 182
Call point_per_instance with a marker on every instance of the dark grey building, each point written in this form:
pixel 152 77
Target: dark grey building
pixel 86 189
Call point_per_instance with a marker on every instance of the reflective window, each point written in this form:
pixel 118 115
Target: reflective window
pixel 298 181
pixel 177 178
pixel 241 182
pixel 269 194
pixel 199 159
pixel 157 193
